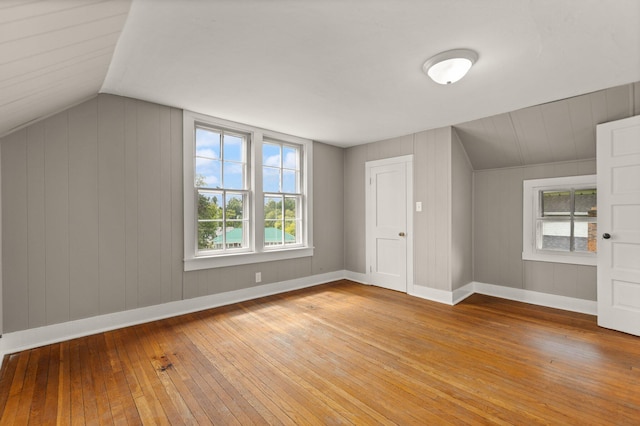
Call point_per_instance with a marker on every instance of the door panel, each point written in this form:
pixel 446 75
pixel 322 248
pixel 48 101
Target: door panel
pixel 388 257
pixel 386 225
pixel 618 157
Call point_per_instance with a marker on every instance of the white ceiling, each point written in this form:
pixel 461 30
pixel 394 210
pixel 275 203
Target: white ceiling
pixel 54 54
pixel 348 72
pixel 337 71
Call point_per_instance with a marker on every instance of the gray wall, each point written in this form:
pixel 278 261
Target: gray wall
pixel 461 215
pixel 354 209
pixel 497 236
pixel 432 226
pixel 92 216
pixel 432 167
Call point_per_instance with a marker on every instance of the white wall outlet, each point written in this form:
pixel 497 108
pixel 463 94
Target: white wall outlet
pixel 418 206
pixel 258 277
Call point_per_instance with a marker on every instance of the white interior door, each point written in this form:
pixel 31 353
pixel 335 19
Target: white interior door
pixel 618 158
pixel 388 226
pixel 1 301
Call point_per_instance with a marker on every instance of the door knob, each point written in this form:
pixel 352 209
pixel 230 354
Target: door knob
pixel 401 234
pixel 606 236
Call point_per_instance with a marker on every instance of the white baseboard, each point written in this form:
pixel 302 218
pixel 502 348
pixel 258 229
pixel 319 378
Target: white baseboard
pixel 357 277
pixel 433 294
pixel 35 337
pixel 536 298
pixel 443 296
pixel 462 293
pixel 518 294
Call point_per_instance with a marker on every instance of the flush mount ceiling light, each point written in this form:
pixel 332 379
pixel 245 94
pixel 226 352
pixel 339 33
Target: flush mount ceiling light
pixel 450 66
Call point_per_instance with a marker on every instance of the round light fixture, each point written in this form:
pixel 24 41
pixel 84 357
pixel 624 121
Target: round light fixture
pixel 450 66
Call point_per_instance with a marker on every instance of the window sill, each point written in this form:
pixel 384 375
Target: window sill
pixel 220 261
pixel 570 258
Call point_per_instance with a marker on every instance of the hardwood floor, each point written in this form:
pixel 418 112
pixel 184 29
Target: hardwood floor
pixel 339 353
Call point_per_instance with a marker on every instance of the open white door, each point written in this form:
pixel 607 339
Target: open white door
pixel 388 223
pixel 1 301
pixel 618 158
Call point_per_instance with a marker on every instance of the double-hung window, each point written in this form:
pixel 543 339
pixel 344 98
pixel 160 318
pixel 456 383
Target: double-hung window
pixel 247 194
pixel 222 191
pixel 282 194
pixel 560 220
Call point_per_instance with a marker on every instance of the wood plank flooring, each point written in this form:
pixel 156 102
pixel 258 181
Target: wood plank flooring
pixel 341 353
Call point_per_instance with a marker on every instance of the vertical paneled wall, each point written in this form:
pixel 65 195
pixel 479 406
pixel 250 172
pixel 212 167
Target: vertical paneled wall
pixel 497 239
pixel 354 209
pixel 636 98
pixel 328 193
pixel 15 247
pixel 432 226
pixel 93 218
pixel 355 193
pixel 89 198
pixel 432 186
pixel 461 215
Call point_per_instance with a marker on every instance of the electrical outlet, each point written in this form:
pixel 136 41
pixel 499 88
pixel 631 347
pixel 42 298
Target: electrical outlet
pixel 258 277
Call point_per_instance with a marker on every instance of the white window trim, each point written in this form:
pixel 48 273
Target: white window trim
pixel 257 253
pixel 530 206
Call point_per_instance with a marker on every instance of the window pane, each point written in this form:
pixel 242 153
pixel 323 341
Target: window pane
pixel 209 235
pixel 586 237
pixel 272 208
pixel 272 232
pixel 556 203
pixel 271 155
pixel 235 206
pixel 207 143
pixel 586 201
pixel 208 173
pixel 233 175
pixel 291 216
pixel 273 224
pixel 556 235
pixel 290 231
pixel 234 236
pixel 291 158
pixel 290 181
pixel 592 212
pixel 291 208
pixel 209 205
pixel 270 179
pixel 592 238
pixel 234 148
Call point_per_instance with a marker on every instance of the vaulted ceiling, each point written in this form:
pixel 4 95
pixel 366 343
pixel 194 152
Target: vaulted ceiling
pixel 341 72
pixel 54 54
pixel 562 130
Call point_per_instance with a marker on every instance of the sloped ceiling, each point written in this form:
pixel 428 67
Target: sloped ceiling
pixel 342 72
pixel 557 131
pixel 349 72
pixel 54 54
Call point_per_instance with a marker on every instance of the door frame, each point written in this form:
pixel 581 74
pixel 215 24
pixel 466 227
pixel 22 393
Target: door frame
pixel 408 161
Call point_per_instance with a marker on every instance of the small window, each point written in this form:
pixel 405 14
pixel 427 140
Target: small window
pixel 560 220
